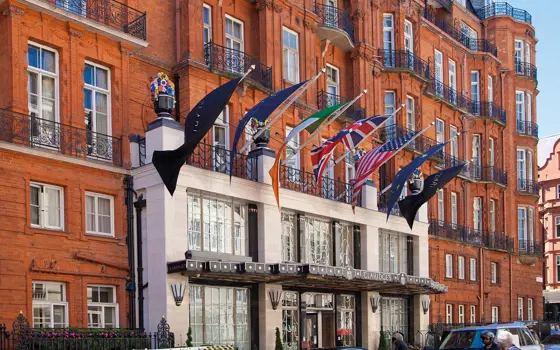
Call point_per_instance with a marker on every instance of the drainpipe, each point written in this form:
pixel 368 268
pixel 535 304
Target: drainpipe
pixel 139 204
pixel 178 30
pixel 177 98
pixel 130 243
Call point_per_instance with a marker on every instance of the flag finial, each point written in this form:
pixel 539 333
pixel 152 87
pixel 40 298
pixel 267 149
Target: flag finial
pixel 432 123
pixel 253 67
pixel 365 91
pixel 402 106
pixel 324 69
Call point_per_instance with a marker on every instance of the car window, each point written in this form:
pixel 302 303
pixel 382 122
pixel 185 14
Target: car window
pixel 552 339
pixel 459 340
pixel 527 337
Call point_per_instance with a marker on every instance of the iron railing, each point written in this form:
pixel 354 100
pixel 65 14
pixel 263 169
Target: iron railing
pixel 528 186
pixel 333 17
pixel 216 158
pixel 529 247
pixel 527 128
pixel 504 9
pixel 480 45
pixel 111 13
pixel 524 69
pixel 488 110
pixel 31 131
pixel 491 240
pixel 404 59
pixel 325 99
pixel 233 61
pixel 445 92
pixel 420 144
pixel 382 205
pixel 304 182
pixel 142 150
pixel 487 174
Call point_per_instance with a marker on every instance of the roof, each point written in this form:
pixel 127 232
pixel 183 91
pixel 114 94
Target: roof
pixel 493 325
pixel 546 147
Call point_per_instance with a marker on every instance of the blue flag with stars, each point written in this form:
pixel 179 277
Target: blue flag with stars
pixel 404 174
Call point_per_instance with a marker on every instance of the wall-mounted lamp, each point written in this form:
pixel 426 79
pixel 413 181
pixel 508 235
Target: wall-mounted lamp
pixel 374 302
pixel 275 297
pixel 426 305
pixel 178 290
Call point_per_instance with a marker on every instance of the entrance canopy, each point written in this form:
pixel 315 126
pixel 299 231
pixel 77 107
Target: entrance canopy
pixel 308 276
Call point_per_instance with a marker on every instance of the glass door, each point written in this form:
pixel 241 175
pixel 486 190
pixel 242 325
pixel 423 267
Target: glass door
pixel 409 44
pixel 476 157
pixel 519 55
pixel 331 14
pixel 438 57
pixel 388 40
pixel 234 46
pixel 311 337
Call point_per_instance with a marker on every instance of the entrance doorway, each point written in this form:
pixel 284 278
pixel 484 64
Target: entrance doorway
pixel 320 329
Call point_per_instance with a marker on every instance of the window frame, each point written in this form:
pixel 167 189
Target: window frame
pixel 475 86
pixel 454 210
pixel 472 269
pixel 529 309
pixel 63 303
pixel 104 305
pixel 390 29
pixel 96 89
pixel 461 313
pixel 408 36
pixel 448 266
pixel 557 225
pixel 520 308
pixel 477 214
pixel 461 267
pixel 207 26
pixel 452 77
pixel 473 314
pixel 295 177
pixel 449 313
pixel 40 72
pixel 438 69
pixel 97 195
pixel 492 216
pixel 334 83
pixel 495 311
pixel 410 113
pixel 295 52
pixel 493 272
pixel 42 187
pixel 557 268
pixel 441 206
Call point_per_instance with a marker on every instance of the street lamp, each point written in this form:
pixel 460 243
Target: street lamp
pixel 374 302
pixel 178 291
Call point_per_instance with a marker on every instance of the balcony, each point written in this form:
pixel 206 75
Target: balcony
pixel 448 161
pixel 420 144
pixel 528 186
pixel 446 4
pixel 382 205
pixel 115 18
pixel 236 63
pixel 490 240
pixel 493 174
pixel 325 100
pixel 25 130
pixel 529 247
pixel 446 93
pixel 335 25
pixel 504 9
pixel 527 128
pixel 486 110
pixel 473 44
pixel 527 70
pixel 404 59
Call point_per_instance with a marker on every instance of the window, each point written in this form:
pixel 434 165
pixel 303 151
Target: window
pixel 557 224
pixel 393 252
pixel 522 226
pixel 97 105
pixel 493 273
pixel 333 85
pixel 345 318
pixel 454 210
pixel 220 315
pixel 520 110
pixel 388 40
pixel 103 310
pixel 390 109
pixel 530 224
pixel 519 56
pixel 461 312
pixel 462 2
pixel 290 320
pixel 490 91
pixel 529 309
pixel 449 313
pixel 99 214
pixel 476 157
pixel 461 267
pixel 529 107
pixel 235 58
pixel 410 116
pixel 289 237
pixel 470 37
pixel 558 191
pixel 521 169
pixel 292 159
pixel 472 274
pixel 473 314
pixel 344 244
pixel 557 268
pixel 50 309
pixel 440 131
pixel 42 88
pixel 408 38
pixel 220 135
pixel 394 314
pixel 349 166
pixel 491 154
pixel 327 185
pixel 453 145
pixel 216 225
pixel 520 309
pixel 441 207
pixel 438 59
pixel 207 13
pixel 495 314
pixel 448 266
pixel 492 216
pixel 316 241
pixel 291 55
pixel 475 91
pixel 477 214
pixel 452 81
pixel 47 206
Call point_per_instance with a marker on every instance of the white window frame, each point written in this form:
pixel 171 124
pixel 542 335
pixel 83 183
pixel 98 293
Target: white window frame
pixel 476 150
pixel 220 158
pixel 452 70
pixel 390 109
pixel 230 39
pixel 461 312
pixel 492 217
pixel 461 267
pixel 438 64
pixel 557 226
pixel 333 85
pixel 520 108
pixel 286 52
pixel 410 114
pixel 441 206
pixel 529 309
pixel 448 266
pixel 557 268
pixel 349 167
pixel 495 314
pixel 529 101
pixel 389 45
pixel 207 26
pixel 440 132
pixel 104 305
pixel 490 89
pixel 518 55
pixel 449 313
pixel 477 214
pixel 112 207
pixel 454 211
pixel 453 144
pixel 473 314
pixel 96 89
pixel 493 273
pixel 408 37
pixel 41 72
pixel 531 224
pixel 472 272
pixel 520 309
pixel 51 304
pixel 522 224
pixel 293 162
pixel 43 206
pixel 475 91
pixel 491 152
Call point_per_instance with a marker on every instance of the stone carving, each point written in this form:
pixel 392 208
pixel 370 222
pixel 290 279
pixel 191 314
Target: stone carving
pixel 76 33
pixel 310 25
pixel 13 10
pixel 269 4
pixel 359 15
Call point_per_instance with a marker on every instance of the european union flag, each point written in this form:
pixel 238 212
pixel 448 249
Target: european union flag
pixel 409 206
pixel 261 112
pixel 199 121
pixel 403 175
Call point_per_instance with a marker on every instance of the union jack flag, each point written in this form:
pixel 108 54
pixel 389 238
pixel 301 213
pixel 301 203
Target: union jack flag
pixel 374 159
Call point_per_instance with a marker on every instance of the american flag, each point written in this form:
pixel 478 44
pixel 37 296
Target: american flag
pixel 373 160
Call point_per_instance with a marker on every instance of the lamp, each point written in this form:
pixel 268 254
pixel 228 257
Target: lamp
pixel 275 296
pixel 374 301
pixel 178 291
pixel 426 305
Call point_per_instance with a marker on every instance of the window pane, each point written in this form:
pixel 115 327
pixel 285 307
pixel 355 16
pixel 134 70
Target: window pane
pixel 88 102
pixel 35 205
pixel 94 316
pixel 88 74
pixel 110 317
pixel 47 61
pixel 104 215
pixel 59 316
pixel 206 15
pixel 41 316
pixel 106 295
pixel 90 214
pixel 101 118
pixel 53 215
pixel 33 56
pixel 101 78
pixel 48 98
pixel 55 292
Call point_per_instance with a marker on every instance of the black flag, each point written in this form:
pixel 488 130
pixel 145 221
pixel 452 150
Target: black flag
pixel 199 121
pixel 409 206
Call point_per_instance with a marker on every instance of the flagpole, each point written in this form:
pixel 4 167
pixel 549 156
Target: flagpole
pixel 368 135
pixel 299 92
pixel 322 127
pixel 389 187
pixel 251 68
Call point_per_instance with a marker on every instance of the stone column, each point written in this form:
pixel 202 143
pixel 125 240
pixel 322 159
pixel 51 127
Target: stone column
pixel 421 257
pixel 369 237
pixel 269 319
pixel 371 322
pixel 163 134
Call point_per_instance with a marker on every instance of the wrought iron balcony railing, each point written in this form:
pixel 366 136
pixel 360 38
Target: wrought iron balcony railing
pixel 524 69
pixel 529 247
pixel 34 132
pixel 449 161
pixel 487 174
pixel 333 17
pixel 527 128
pixel 528 186
pixel 304 182
pixel 480 45
pixel 325 99
pixel 491 240
pixel 216 158
pixel 236 62
pixel 110 13
pixel 447 93
pixel 420 144
pixel 488 110
pixel 504 9
pixel 404 59
pixel 382 205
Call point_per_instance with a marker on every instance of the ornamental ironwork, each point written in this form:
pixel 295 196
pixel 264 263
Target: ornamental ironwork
pixel 476 237
pixel 333 17
pixel 527 128
pixel 326 99
pixel 504 9
pixel 404 59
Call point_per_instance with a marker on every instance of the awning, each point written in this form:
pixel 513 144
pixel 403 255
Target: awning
pixel 307 276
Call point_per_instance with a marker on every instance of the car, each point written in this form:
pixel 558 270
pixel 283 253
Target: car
pixel 469 337
pixel 552 342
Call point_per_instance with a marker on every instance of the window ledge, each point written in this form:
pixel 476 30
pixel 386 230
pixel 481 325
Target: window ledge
pixel 46 231
pixel 102 237
pixel 214 256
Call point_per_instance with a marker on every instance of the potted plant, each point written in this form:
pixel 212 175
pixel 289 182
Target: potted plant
pixel 278 345
pixel 189 338
pixel 163 95
pixel 382 340
pixel 256 126
pixel 416 182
